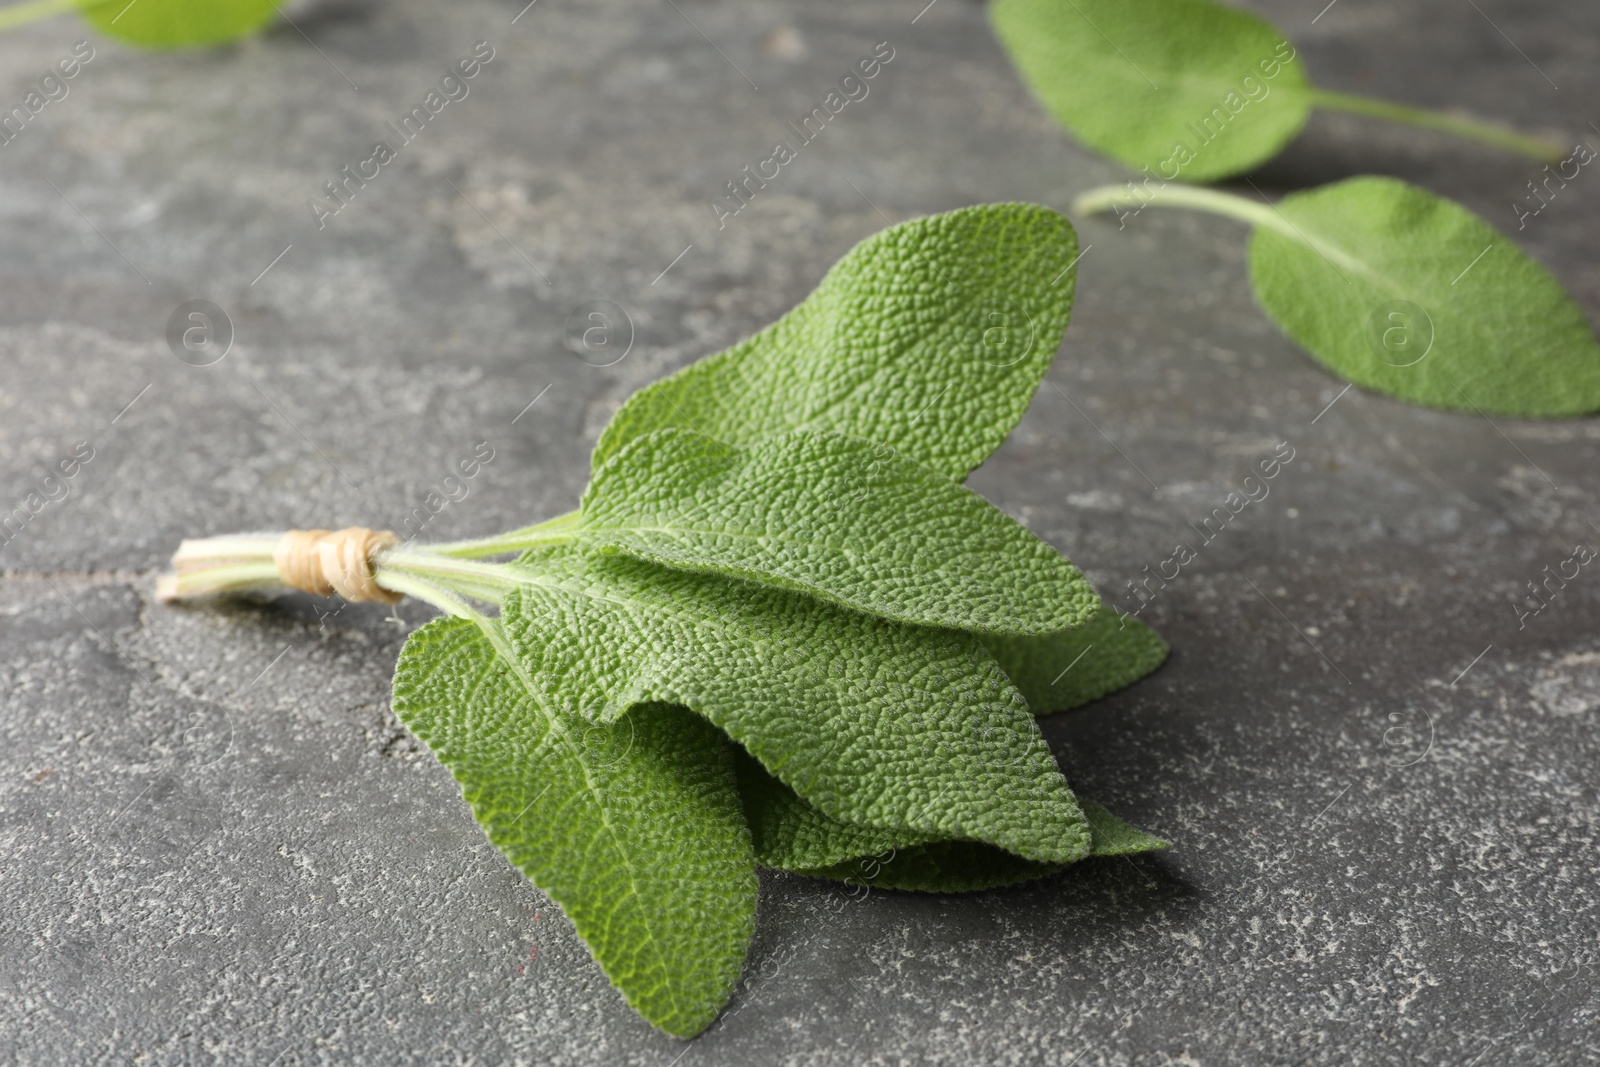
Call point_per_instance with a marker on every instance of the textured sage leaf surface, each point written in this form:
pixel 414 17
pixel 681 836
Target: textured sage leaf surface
pixel 1409 294
pixel 968 866
pixel 1062 671
pixel 838 518
pixel 1114 837
pixel 790 834
pixel 929 337
pixel 1191 89
pixel 178 23
pixel 872 721
pixel 635 827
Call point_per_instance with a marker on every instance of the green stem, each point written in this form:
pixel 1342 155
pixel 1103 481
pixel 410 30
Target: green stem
pixel 232 564
pixel 1108 197
pixel 551 531
pixel 1254 212
pixel 231 577
pixel 1472 129
pixel 481 581
pixel 34 10
pixel 427 592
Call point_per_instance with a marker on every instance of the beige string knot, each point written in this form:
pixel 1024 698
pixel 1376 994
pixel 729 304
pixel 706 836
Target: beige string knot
pixel 324 562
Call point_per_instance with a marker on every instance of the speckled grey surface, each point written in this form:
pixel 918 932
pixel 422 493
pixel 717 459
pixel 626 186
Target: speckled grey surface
pixel 219 846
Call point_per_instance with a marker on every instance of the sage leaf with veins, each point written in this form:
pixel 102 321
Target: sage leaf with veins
pixel 1062 671
pixel 790 834
pixel 1407 293
pixel 837 518
pixel 969 866
pixel 640 838
pixel 929 337
pixel 1504 336
pixel 871 721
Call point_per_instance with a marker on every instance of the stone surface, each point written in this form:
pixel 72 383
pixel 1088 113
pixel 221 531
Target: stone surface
pixel 220 846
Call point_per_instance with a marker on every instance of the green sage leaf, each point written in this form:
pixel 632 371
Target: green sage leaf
pixel 1187 89
pixel 634 827
pixel 929 337
pixel 1409 294
pixel 1062 671
pixel 178 23
pixel 1114 837
pixel 873 722
pixel 838 518
pixel 792 835
pixel 970 866
pixel 938 867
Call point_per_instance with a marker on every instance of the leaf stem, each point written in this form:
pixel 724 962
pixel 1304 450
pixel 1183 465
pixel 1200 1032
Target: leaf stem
pixel 427 592
pixel 224 578
pixel 1109 197
pixel 551 531
pixel 1469 128
pixel 481 581
pixel 1254 212
pixel 232 564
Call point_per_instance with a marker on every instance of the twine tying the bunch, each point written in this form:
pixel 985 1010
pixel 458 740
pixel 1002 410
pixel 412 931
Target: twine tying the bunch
pixel 324 562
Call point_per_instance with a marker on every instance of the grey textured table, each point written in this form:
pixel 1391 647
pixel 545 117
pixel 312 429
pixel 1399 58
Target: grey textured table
pixel 218 843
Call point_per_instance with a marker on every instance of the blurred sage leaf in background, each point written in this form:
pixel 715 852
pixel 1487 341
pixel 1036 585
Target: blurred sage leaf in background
pixel 1409 294
pixel 179 23
pixel 1150 82
pixel 1188 90
pixel 155 23
pixel 1498 331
